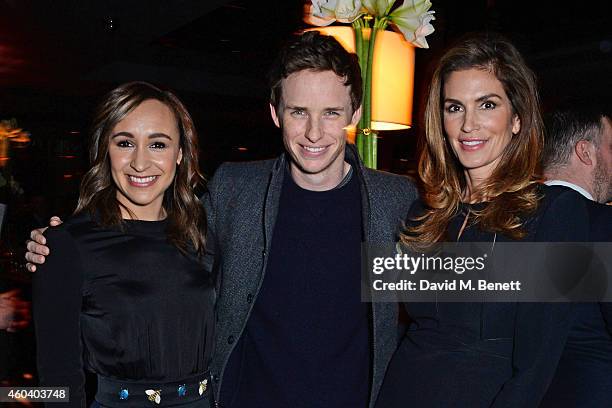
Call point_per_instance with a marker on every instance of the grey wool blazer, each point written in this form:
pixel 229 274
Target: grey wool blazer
pixel 242 203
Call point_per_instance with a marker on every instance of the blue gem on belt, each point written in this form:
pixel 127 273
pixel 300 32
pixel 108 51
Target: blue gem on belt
pixel 124 394
pixel 182 390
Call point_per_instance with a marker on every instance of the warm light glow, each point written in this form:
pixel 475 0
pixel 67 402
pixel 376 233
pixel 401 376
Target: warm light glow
pixel 351 133
pixel 21 139
pixel 392 76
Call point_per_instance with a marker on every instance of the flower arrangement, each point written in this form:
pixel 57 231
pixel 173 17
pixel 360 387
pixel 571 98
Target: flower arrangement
pixel 367 17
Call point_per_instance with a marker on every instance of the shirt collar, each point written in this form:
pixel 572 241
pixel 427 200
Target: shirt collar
pixel 570 185
pixel 345 179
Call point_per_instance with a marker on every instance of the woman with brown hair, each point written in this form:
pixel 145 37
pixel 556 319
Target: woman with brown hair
pixel 125 294
pixel 479 162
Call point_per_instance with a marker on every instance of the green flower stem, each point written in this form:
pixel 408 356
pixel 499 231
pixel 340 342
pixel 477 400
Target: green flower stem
pixel 370 154
pixel 374 150
pixel 358 30
pixel 383 22
pixel 366 150
pixel 363 61
pixel 367 97
pixel 360 142
pixel 366 140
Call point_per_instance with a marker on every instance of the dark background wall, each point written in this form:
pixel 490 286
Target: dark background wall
pixel 57 59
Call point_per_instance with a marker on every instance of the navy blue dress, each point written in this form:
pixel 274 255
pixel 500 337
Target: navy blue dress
pixel 486 354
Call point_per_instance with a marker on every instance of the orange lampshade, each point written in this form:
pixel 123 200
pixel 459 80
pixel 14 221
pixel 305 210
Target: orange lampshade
pixel 392 76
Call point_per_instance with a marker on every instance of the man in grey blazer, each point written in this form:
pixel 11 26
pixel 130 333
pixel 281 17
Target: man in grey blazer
pixel 284 239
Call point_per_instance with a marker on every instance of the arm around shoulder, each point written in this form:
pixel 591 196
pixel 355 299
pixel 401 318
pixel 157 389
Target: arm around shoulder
pixel 57 299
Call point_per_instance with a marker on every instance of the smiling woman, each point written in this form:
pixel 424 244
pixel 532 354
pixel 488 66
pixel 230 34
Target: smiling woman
pixel 126 276
pixel 484 136
pixel 141 131
pixel 144 152
pixel 479 166
pixel 479 122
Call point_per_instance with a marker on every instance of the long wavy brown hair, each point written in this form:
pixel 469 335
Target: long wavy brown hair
pixel 185 214
pixel 511 191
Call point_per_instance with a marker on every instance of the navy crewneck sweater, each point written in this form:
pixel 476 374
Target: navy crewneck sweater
pixel 306 343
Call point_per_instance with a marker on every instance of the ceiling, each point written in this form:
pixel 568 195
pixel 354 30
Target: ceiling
pixel 222 46
pixel 211 46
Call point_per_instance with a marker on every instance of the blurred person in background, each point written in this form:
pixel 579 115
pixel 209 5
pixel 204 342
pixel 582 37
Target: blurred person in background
pixel 578 161
pixel 14 312
pixel 578 150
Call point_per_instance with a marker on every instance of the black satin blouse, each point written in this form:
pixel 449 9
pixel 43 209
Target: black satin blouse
pixel 126 305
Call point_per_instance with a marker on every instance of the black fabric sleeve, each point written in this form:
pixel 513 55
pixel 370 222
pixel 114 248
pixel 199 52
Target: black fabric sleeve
pixel 602 232
pixel 606 311
pixel 565 219
pixel 542 328
pixel 57 299
pixel 539 338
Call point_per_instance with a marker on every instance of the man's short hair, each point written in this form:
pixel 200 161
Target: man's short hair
pixel 567 126
pixel 317 52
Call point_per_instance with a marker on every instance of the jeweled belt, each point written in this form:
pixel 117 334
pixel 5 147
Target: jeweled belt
pixel 125 393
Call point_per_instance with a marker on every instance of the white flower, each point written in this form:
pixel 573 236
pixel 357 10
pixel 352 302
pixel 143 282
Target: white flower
pixel 325 12
pixel 377 8
pixel 348 11
pixel 413 20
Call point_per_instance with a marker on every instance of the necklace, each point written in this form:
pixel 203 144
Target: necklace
pixel 464 225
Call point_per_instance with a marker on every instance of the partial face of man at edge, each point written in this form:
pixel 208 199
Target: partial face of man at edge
pixel 602 175
pixel 314 112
